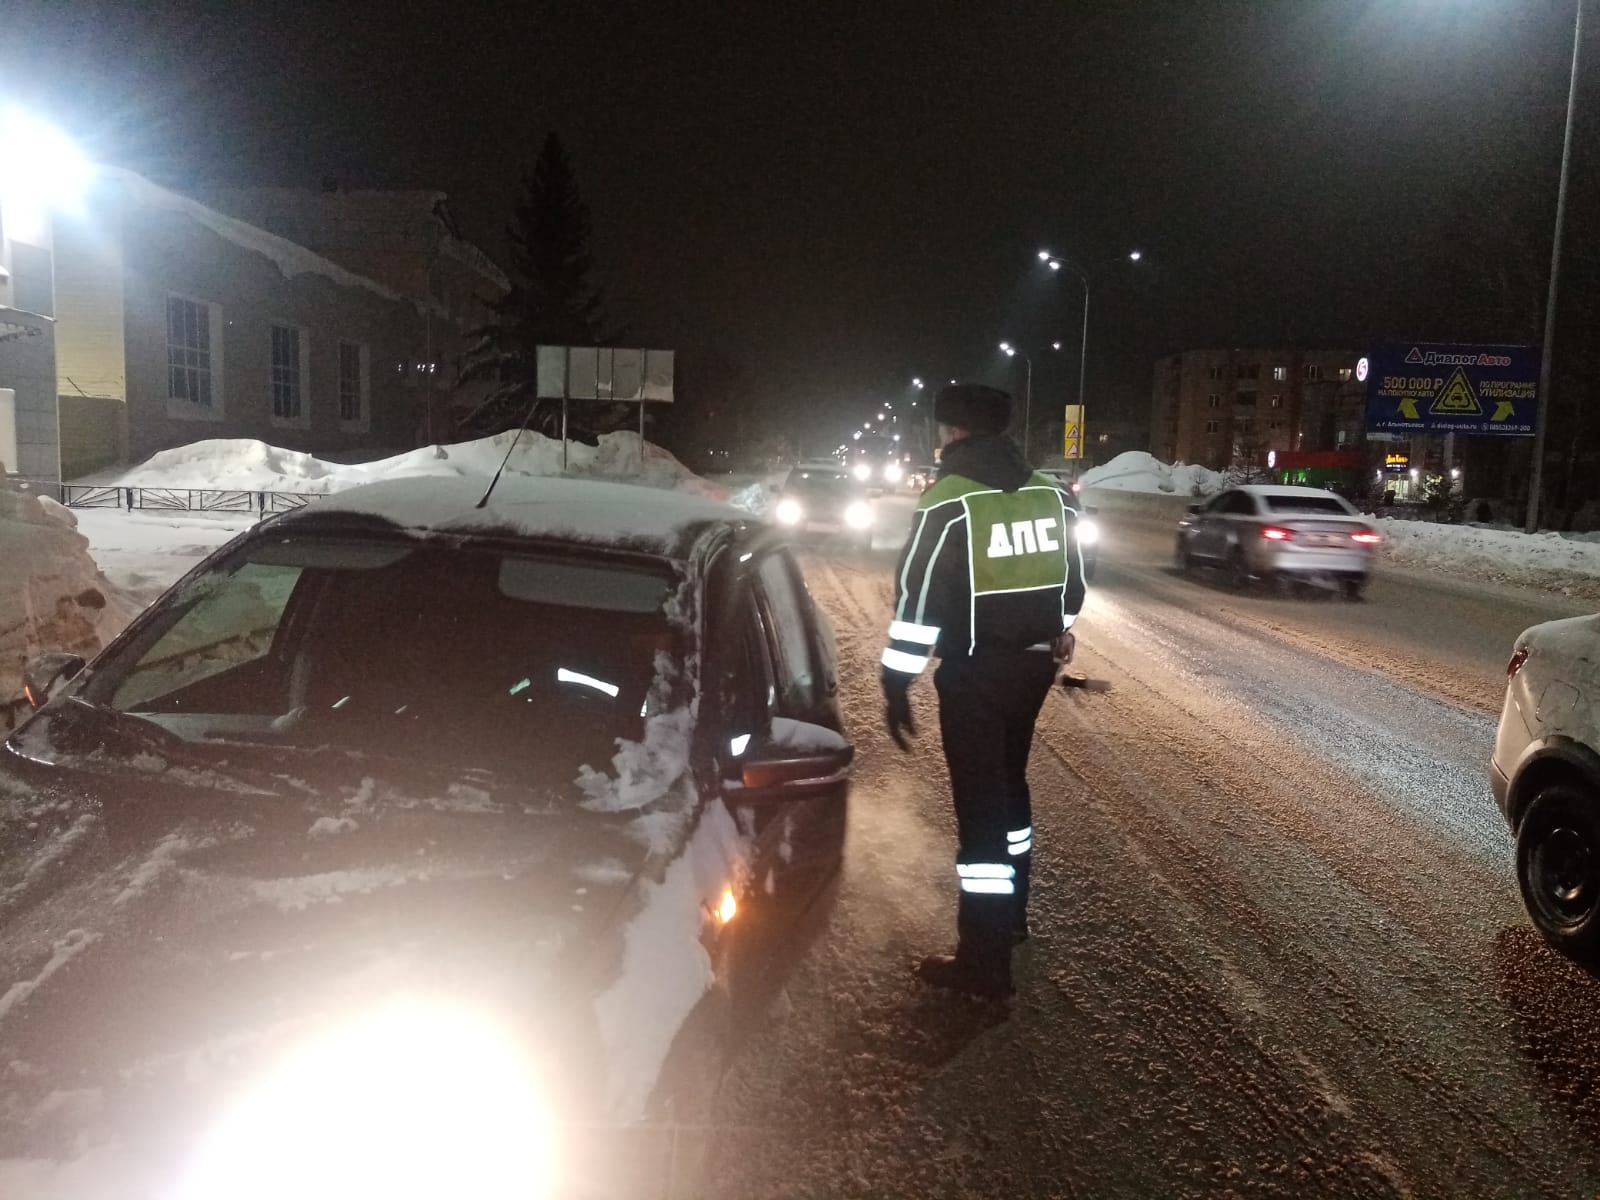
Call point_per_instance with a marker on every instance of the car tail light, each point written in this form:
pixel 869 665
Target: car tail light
pixel 1367 537
pixel 1276 533
pixel 1518 658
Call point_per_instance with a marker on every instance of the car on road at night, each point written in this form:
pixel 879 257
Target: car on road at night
pixel 417 844
pixel 1286 536
pixel 877 461
pixel 1088 527
pixel 1545 774
pixel 826 498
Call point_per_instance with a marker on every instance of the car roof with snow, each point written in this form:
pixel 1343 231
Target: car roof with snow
pixel 594 512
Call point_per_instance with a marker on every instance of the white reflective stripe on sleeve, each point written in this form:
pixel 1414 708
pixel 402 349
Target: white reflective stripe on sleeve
pixel 909 631
pixel 1019 835
pixel 906 664
pixel 1067 619
pixel 986 870
pixel 991 887
pixel 1021 847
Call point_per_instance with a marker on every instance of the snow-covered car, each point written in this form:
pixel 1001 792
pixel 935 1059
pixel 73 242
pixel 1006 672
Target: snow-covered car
pixel 1285 535
pixel 1546 778
pixel 825 498
pixel 412 848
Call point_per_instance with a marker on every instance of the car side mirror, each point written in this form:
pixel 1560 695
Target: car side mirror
pixel 797 760
pixel 45 672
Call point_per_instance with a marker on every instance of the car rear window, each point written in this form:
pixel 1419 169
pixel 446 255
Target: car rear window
pixel 1329 505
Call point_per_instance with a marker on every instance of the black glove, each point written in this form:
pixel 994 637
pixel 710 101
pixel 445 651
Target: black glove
pixel 897 695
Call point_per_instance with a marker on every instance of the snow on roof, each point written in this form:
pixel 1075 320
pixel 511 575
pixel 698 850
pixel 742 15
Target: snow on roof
pixel 579 509
pixel 289 257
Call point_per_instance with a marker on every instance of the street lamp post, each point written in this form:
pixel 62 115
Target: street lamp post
pixel 1055 262
pixel 1536 478
pixel 1027 391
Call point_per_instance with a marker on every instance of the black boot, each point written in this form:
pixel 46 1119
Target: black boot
pixel 951 973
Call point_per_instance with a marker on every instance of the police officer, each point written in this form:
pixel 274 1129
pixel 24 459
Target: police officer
pixel 990 582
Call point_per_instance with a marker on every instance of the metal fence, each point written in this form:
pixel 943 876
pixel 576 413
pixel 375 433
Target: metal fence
pixel 80 495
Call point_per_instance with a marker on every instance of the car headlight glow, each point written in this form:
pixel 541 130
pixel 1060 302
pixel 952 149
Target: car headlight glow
pixel 417 1100
pixel 862 471
pixel 790 511
pixel 1088 532
pixel 858 515
pixel 893 473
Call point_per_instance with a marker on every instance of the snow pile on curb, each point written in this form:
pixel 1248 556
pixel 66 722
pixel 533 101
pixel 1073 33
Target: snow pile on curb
pixel 52 596
pixel 1548 560
pixel 1140 471
pixel 246 464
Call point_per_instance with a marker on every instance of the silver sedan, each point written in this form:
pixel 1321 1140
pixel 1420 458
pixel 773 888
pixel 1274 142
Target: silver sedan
pixel 1286 535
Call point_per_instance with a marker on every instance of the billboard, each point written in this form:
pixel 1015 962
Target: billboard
pixel 1442 387
pixel 605 373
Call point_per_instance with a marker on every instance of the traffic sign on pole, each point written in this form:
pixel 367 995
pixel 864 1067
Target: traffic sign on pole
pixel 1072 435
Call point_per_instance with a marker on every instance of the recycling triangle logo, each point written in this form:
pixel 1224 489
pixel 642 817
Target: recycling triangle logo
pixel 1456 398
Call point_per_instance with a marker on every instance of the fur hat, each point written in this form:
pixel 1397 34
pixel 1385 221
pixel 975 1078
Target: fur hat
pixel 973 407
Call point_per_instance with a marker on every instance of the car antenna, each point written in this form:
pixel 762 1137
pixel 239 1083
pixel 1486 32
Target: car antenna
pixel 526 417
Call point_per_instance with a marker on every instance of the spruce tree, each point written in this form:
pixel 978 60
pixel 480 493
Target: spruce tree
pixel 552 301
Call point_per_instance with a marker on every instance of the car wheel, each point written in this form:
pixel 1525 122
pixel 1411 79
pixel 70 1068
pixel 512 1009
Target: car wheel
pixel 1184 559
pixel 1238 570
pixel 1355 589
pixel 1285 585
pixel 1558 868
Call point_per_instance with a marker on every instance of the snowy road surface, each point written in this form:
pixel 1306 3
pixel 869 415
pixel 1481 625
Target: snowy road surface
pixel 1277 949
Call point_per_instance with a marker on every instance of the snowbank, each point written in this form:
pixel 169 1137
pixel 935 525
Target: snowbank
pixel 248 465
pixel 52 596
pixel 1548 560
pixel 1139 471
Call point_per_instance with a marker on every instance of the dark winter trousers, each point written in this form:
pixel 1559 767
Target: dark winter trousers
pixel 988 704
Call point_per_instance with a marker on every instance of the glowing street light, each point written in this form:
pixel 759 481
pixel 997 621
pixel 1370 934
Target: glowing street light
pixel 1055 345
pixel 1055 263
pixel 917 383
pixel 856 436
pixel 1007 349
pixel 41 170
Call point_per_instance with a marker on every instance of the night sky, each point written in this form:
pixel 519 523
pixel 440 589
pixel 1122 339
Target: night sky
pixel 842 196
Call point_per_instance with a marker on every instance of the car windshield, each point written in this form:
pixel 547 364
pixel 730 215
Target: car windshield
pixel 518 663
pixel 1330 505
pixel 820 481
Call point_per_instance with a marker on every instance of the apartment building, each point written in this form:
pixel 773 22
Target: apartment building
pixel 1227 408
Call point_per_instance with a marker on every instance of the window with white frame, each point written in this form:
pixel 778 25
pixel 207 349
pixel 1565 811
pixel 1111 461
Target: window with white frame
pixel 1213 426
pixel 1277 401
pixel 1344 374
pixel 1214 400
pixel 1314 372
pixel 288 398
pixel 1279 374
pixel 189 360
pixel 1215 372
pixel 352 383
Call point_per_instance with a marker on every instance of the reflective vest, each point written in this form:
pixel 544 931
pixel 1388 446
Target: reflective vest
pixel 985 569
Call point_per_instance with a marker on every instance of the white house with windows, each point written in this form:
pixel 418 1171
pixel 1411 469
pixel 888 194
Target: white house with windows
pixel 176 322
